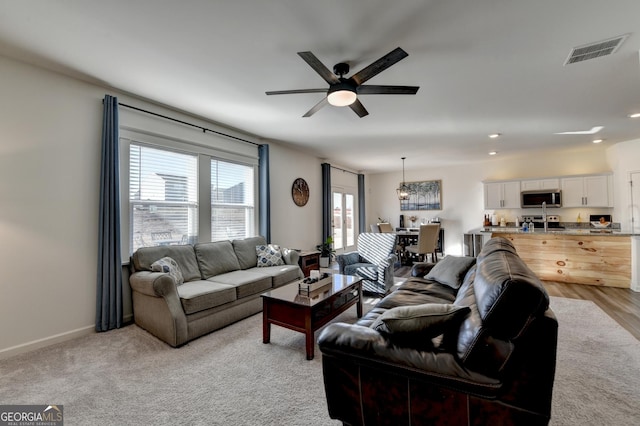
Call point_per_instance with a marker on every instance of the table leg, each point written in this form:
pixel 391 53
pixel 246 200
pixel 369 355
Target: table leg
pixel 266 325
pixel 309 336
pixel 359 304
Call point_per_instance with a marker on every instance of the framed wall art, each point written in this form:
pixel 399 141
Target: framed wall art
pixel 424 195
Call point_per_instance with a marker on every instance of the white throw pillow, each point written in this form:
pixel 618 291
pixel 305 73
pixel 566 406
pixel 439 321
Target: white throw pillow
pixel 168 266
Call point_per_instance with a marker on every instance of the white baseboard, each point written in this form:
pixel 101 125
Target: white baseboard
pixel 51 340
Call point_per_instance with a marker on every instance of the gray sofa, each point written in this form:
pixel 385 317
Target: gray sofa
pixel 222 284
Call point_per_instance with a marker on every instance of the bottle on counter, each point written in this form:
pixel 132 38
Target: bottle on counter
pixel 532 227
pixel 517 222
pixel 525 227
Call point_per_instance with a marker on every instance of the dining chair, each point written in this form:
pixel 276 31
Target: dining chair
pixel 427 242
pixel 385 227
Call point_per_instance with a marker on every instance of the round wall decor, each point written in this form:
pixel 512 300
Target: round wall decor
pixel 300 192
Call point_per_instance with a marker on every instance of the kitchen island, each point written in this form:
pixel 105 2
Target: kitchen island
pixel 580 256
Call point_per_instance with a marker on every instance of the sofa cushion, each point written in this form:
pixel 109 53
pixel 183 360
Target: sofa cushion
pixel 279 274
pixel 184 256
pixel 245 250
pixel 246 283
pixel 196 296
pixel 451 270
pixel 216 258
pixel 168 266
pixel 415 325
pixel 268 255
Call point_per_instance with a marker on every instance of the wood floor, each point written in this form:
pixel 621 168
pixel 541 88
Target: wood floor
pixel 621 304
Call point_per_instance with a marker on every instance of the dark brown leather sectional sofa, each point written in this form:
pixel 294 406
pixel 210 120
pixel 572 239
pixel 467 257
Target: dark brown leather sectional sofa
pixel 490 364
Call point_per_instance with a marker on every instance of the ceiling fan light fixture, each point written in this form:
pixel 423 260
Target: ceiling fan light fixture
pixel 341 94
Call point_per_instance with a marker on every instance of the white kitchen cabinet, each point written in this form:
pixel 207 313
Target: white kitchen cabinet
pixel 535 184
pixel 502 195
pixel 587 191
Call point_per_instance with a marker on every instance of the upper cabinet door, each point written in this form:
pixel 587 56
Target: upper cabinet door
pixel 597 191
pixel 536 184
pixel 511 195
pixel 572 191
pixel 587 191
pixel 493 195
pixel 502 195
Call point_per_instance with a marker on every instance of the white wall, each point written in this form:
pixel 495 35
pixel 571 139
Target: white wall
pixel 462 189
pixel 49 177
pixel 624 159
pixel 293 226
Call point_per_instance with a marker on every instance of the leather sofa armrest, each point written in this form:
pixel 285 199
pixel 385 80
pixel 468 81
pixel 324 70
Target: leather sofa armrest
pixel 421 269
pixel 360 344
pixel 156 284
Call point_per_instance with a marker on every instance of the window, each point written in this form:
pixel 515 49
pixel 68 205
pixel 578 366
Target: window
pixel 180 197
pixel 163 202
pixel 232 200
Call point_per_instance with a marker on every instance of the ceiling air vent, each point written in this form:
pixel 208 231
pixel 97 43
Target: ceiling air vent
pixel 595 50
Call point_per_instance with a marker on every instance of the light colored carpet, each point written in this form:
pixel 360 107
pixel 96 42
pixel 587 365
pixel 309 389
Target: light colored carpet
pixel 128 377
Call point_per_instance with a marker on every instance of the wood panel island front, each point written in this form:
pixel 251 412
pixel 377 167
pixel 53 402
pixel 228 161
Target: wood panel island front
pixel 574 256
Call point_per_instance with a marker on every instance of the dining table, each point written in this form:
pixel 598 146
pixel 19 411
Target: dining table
pixel 405 238
pixel 409 236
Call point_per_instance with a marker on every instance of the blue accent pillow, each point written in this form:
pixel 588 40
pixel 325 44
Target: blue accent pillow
pixel 269 255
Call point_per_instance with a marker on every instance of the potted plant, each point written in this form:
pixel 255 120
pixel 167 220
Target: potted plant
pixel 326 252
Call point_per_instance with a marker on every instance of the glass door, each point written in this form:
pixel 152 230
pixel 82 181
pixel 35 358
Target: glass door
pixel 344 214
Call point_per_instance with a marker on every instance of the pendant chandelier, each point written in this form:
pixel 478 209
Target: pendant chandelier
pixel 403 189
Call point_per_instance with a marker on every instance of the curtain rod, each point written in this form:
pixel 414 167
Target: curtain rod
pixel 204 129
pixel 343 170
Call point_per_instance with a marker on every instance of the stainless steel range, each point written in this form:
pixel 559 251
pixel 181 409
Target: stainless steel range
pixel 553 221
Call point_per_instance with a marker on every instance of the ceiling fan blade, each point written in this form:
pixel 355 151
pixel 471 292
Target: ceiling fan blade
pixel 290 92
pixel 319 67
pixel 380 65
pixel 316 107
pixel 387 90
pixel 359 109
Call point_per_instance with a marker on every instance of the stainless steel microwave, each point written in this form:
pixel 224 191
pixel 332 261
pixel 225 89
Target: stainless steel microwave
pixel 534 199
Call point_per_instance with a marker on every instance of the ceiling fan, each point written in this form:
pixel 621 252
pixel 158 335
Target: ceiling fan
pixel 344 91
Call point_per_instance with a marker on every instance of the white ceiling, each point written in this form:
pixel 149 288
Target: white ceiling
pixel 483 66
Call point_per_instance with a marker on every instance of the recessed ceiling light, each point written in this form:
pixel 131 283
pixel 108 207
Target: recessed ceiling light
pixel 495 135
pixel 593 131
pixel 493 152
pixel 634 115
pixel 598 140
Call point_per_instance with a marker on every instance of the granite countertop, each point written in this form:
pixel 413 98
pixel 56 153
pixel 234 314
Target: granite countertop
pixel 566 231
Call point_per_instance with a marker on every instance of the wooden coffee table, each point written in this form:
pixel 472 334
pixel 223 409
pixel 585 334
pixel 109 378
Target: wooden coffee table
pixel 288 307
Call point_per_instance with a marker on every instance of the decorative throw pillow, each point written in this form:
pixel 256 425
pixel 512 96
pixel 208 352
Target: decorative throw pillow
pixel 168 266
pixel 451 270
pixel 269 255
pixel 416 325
